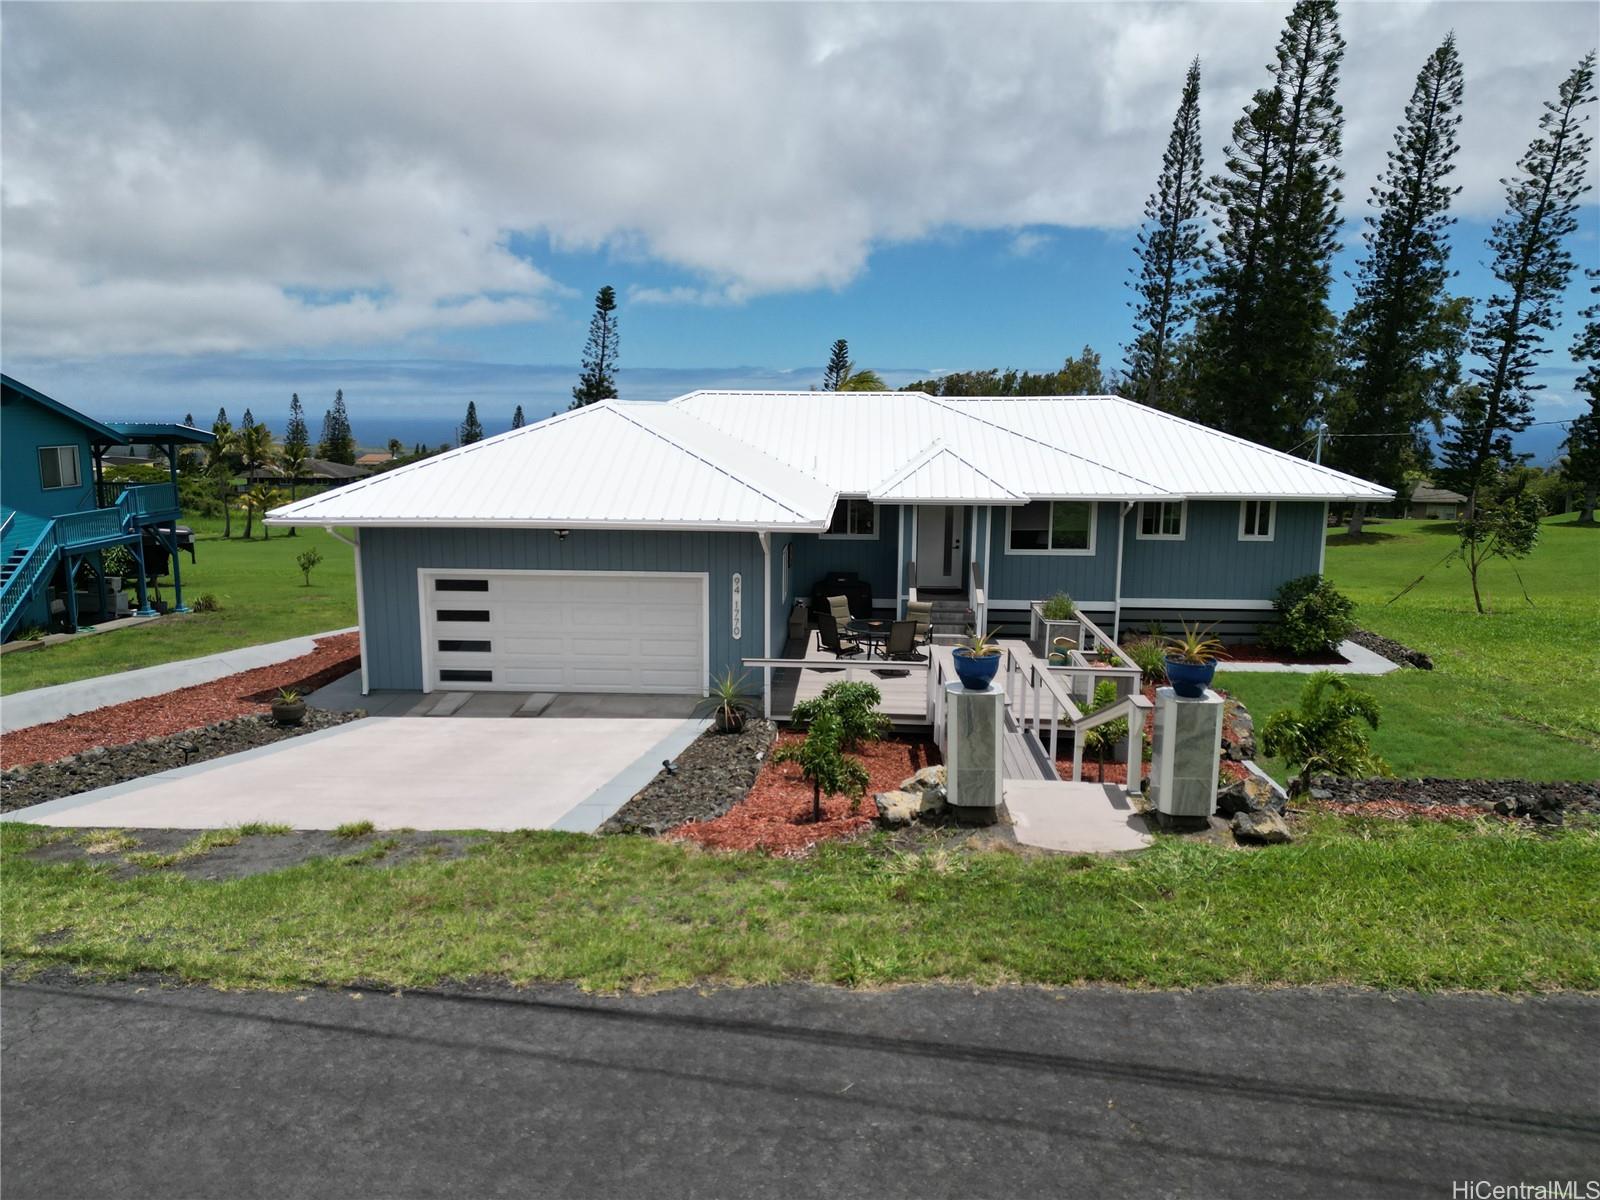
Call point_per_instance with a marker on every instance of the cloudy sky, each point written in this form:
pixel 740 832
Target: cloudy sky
pixel 211 203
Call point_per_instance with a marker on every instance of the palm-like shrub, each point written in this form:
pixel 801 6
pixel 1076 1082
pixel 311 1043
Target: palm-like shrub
pixel 1327 733
pixel 1103 739
pixel 1150 656
pixel 257 500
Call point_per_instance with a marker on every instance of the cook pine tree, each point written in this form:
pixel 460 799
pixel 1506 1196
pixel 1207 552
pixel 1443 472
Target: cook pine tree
pixel 471 429
pixel 1264 342
pixel 338 442
pixel 1172 251
pixel 598 379
pixel 838 368
pixel 1532 266
pixel 296 447
pixel 1401 335
pixel 517 419
pixel 1582 466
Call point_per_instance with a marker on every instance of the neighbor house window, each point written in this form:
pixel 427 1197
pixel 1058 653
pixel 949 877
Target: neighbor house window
pixel 1161 520
pixel 1256 520
pixel 1052 527
pixel 58 467
pixel 854 518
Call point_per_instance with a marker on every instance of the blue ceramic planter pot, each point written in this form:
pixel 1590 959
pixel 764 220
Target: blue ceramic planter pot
pixel 1190 680
pixel 976 673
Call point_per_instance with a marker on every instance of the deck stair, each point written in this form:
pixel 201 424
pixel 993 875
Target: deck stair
pixel 950 614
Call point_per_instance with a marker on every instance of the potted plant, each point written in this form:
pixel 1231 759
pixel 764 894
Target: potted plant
pixel 1192 660
pixel 288 708
pixel 977 660
pixel 728 703
pixel 1053 621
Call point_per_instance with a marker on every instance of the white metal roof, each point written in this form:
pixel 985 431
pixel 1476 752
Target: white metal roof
pixel 780 460
pixel 941 476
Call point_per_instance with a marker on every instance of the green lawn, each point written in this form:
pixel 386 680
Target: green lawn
pixel 1514 692
pixel 1389 904
pixel 260 591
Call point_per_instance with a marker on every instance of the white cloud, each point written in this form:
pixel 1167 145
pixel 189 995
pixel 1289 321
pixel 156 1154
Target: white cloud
pixel 196 178
pixel 1027 243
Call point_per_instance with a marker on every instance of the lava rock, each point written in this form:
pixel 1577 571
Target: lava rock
pixel 1250 794
pixel 713 774
pixel 1265 828
pixel 1395 652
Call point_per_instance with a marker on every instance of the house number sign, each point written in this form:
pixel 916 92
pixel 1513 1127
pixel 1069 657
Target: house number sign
pixel 738 606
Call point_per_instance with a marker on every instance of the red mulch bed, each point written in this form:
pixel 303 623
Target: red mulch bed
pixel 776 815
pixel 244 694
pixel 1394 811
pixel 1251 652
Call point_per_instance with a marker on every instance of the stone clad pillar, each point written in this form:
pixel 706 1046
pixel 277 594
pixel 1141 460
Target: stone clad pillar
pixel 1185 752
pixel 975 723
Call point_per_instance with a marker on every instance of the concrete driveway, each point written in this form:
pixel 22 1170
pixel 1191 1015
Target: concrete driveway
pixel 488 773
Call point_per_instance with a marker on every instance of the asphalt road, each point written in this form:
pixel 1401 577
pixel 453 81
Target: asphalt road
pixel 132 1091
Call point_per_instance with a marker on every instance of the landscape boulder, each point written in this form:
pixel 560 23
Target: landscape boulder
pixel 1250 794
pixel 1265 828
pixel 1238 732
pixel 922 795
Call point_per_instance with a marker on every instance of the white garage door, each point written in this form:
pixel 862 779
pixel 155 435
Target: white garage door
pixel 536 631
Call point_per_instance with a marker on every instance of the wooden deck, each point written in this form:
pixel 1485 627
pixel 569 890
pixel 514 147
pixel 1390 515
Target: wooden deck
pixel 904 685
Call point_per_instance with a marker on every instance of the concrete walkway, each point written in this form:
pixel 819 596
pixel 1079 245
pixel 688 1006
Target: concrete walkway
pixel 492 773
pixel 1360 661
pixel 1075 818
pixel 22 709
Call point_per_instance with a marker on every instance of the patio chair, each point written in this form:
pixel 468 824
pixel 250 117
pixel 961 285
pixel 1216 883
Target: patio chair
pixel 828 636
pixel 902 644
pixel 840 608
pixel 921 611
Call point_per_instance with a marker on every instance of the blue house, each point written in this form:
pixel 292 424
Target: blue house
pixel 646 547
pixel 58 514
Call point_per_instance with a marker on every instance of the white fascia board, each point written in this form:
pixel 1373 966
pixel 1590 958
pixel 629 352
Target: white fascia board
pixel 551 524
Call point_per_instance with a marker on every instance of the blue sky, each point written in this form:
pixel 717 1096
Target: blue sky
pixel 235 202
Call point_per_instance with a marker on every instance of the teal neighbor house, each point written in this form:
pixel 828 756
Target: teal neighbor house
pixel 59 514
pixel 647 547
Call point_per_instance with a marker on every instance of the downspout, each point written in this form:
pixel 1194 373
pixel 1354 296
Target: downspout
pixel 1116 604
pixel 361 603
pixel 900 563
pixel 988 542
pixel 765 538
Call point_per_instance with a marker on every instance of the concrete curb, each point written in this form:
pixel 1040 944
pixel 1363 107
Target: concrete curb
pixel 1361 662
pixel 596 808
pixel 21 710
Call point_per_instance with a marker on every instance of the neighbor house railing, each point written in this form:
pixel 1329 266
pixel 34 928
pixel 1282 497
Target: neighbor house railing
pixel 86 528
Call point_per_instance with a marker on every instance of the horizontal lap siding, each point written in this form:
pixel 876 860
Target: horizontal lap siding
pixel 1026 577
pixel 390 559
pixel 1211 563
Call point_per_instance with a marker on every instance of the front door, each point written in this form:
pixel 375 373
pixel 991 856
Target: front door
pixel 939 529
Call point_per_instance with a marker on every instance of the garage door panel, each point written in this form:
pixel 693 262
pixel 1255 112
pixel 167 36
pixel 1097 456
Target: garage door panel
pixel 574 632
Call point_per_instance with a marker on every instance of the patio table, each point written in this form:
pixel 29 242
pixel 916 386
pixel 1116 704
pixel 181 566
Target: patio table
pixel 871 633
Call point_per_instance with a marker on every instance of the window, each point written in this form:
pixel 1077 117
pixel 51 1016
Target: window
pixel 854 518
pixel 456 646
pixel 462 614
pixel 457 676
pixel 1052 527
pixel 1161 520
pixel 58 467
pixel 461 585
pixel 1256 519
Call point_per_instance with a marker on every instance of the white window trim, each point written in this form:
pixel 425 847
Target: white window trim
pixel 77 468
pixel 1272 521
pixel 877 523
pixel 1094 530
pixel 1183 523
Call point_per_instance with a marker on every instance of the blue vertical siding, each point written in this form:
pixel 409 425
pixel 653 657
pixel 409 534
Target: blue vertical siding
pixel 1211 562
pixel 873 559
pixel 390 559
pixel 1025 577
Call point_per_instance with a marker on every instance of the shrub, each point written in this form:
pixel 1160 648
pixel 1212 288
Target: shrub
pixel 1058 608
pixel 1104 738
pixel 306 560
pixel 207 602
pixel 1151 657
pixel 1325 733
pixel 119 561
pixel 822 761
pixel 855 704
pixel 1313 617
